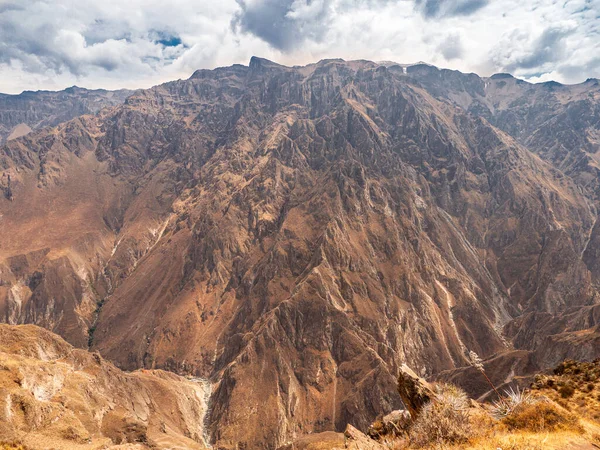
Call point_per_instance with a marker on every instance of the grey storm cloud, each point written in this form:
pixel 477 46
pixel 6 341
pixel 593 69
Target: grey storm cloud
pixel 549 47
pixel 32 47
pixel 284 24
pixel 448 8
pixel 36 48
pixel 451 48
pixel 591 67
pixel 8 6
pixel 100 30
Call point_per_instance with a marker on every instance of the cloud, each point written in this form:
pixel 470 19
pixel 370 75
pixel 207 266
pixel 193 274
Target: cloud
pixel 284 24
pixel 451 48
pixel 520 52
pixel 52 44
pixel 448 8
pixel 9 6
pixel 574 70
pixel 135 41
pixel 43 40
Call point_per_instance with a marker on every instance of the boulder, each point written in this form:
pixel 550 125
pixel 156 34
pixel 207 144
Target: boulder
pixel 357 440
pixel 414 391
pixel 393 424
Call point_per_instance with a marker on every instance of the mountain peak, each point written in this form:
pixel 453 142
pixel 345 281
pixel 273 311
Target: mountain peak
pixel 500 76
pixel 263 63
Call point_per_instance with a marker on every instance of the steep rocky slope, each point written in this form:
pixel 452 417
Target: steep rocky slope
pixel 561 124
pixel 558 122
pixel 19 114
pixel 293 234
pixel 56 396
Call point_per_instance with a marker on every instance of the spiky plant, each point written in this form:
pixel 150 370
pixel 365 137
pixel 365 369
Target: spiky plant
pixel 452 395
pixel 512 400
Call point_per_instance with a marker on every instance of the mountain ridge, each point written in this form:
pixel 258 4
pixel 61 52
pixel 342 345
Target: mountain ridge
pixel 325 60
pixel 38 109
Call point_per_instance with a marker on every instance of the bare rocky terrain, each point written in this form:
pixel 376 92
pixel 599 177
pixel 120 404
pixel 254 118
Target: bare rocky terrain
pixel 295 235
pixel 56 396
pixel 20 114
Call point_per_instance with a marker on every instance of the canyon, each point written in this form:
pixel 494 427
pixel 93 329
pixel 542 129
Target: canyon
pixel 295 235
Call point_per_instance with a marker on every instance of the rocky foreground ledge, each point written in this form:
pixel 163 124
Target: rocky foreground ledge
pixel 561 411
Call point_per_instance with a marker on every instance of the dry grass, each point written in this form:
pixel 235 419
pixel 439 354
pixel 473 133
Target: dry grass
pixel 524 441
pixel 12 446
pixel 542 416
pixel 444 420
pixel 575 386
pixel 531 421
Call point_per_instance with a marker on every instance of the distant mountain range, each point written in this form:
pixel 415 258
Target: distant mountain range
pixel 19 114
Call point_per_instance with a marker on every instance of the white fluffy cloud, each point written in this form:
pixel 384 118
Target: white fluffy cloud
pixel 52 44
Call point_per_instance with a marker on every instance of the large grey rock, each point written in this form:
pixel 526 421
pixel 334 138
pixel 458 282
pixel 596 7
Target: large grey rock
pixel 414 391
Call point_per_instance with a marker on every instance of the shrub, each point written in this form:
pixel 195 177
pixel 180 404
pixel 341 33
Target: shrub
pixel 443 420
pixel 73 434
pixel 512 400
pixel 541 416
pixel 452 395
pixel 566 391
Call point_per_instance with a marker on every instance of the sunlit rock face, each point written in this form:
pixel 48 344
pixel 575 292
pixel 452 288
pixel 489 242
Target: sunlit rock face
pixel 297 234
pixel 57 396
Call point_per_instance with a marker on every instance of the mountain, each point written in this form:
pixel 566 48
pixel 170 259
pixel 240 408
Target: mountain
pixel 56 396
pixel 560 124
pixel 19 114
pixel 295 235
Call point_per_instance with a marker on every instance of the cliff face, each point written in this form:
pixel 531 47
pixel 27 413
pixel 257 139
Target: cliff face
pixel 20 114
pixel 295 234
pixel 56 396
pixel 560 124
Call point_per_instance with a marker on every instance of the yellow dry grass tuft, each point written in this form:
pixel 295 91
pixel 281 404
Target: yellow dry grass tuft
pixel 542 416
pixel 443 420
pixel 12 446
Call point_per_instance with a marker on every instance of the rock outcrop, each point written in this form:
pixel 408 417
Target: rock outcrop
pixel 414 391
pixel 396 423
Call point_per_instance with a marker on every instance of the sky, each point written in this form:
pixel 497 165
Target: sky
pixel 54 44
